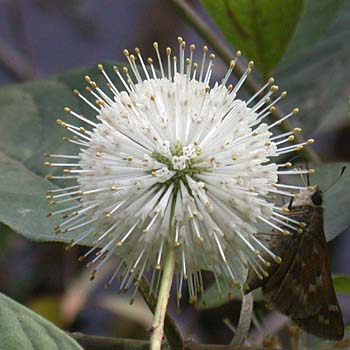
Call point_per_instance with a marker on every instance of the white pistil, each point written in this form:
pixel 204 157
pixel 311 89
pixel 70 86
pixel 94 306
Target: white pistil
pixel 243 77
pixel 138 53
pixel 205 50
pixel 269 82
pixel 126 86
pixel 168 53
pixel 284 232
pixel 155 45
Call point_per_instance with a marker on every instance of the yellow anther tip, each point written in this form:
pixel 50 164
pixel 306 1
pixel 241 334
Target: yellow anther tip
pixel 278 260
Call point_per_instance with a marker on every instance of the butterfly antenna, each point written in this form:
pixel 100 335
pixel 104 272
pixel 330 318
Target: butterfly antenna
pixel 306 166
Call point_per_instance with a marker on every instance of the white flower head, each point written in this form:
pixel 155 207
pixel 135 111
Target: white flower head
pixel 176 160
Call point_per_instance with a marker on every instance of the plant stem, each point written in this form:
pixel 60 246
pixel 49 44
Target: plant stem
pixel 171 331
pixel 245 318
pixel 197 23
pixel 163 298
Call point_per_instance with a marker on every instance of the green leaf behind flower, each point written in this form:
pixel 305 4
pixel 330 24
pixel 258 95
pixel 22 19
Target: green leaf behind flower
pixel 313 23
pixel 261 29
pixel 23 206
pixel 22 329
pixel 336 200
pixel 28 114
pixel 318 82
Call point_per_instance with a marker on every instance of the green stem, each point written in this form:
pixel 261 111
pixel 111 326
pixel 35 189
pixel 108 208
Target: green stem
pixel 163 298
pixel 171 331
pixel 197 23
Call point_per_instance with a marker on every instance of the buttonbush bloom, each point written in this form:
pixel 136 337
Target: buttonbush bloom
pixel 175 160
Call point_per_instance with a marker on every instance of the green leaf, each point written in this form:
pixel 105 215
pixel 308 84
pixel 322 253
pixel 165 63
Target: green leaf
pixel 28 114
pixel 261 29
pixel 336 200
pixel 21 328
pixel 314 22
pixel 23 206
pixel 318 83
pixel 212 298
pixel 341 284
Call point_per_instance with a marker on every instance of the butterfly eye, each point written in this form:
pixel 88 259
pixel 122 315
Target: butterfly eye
pixel 316 198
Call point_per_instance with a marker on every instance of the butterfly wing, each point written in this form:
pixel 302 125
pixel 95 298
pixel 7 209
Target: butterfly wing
pixel 327 321
pixel 280 246
pixel 306 293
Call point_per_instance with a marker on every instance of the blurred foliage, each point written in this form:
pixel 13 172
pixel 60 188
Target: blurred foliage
pixel 314 22
pixel 22 148
pixel 318 82
pixel 342 284
pixel 47 306
pixel 255 27
pixel 336 198
pixel 21 328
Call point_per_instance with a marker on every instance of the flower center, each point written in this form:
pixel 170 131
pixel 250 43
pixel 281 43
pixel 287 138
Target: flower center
pixel 183 160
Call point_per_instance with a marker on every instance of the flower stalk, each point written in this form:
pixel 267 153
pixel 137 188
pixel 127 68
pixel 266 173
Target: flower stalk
pixel 163 298
pixel 245 318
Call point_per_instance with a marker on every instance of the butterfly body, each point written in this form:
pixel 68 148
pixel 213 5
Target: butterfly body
pixel 301 286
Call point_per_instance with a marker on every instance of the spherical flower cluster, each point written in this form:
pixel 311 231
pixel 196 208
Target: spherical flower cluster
pixel 175 161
